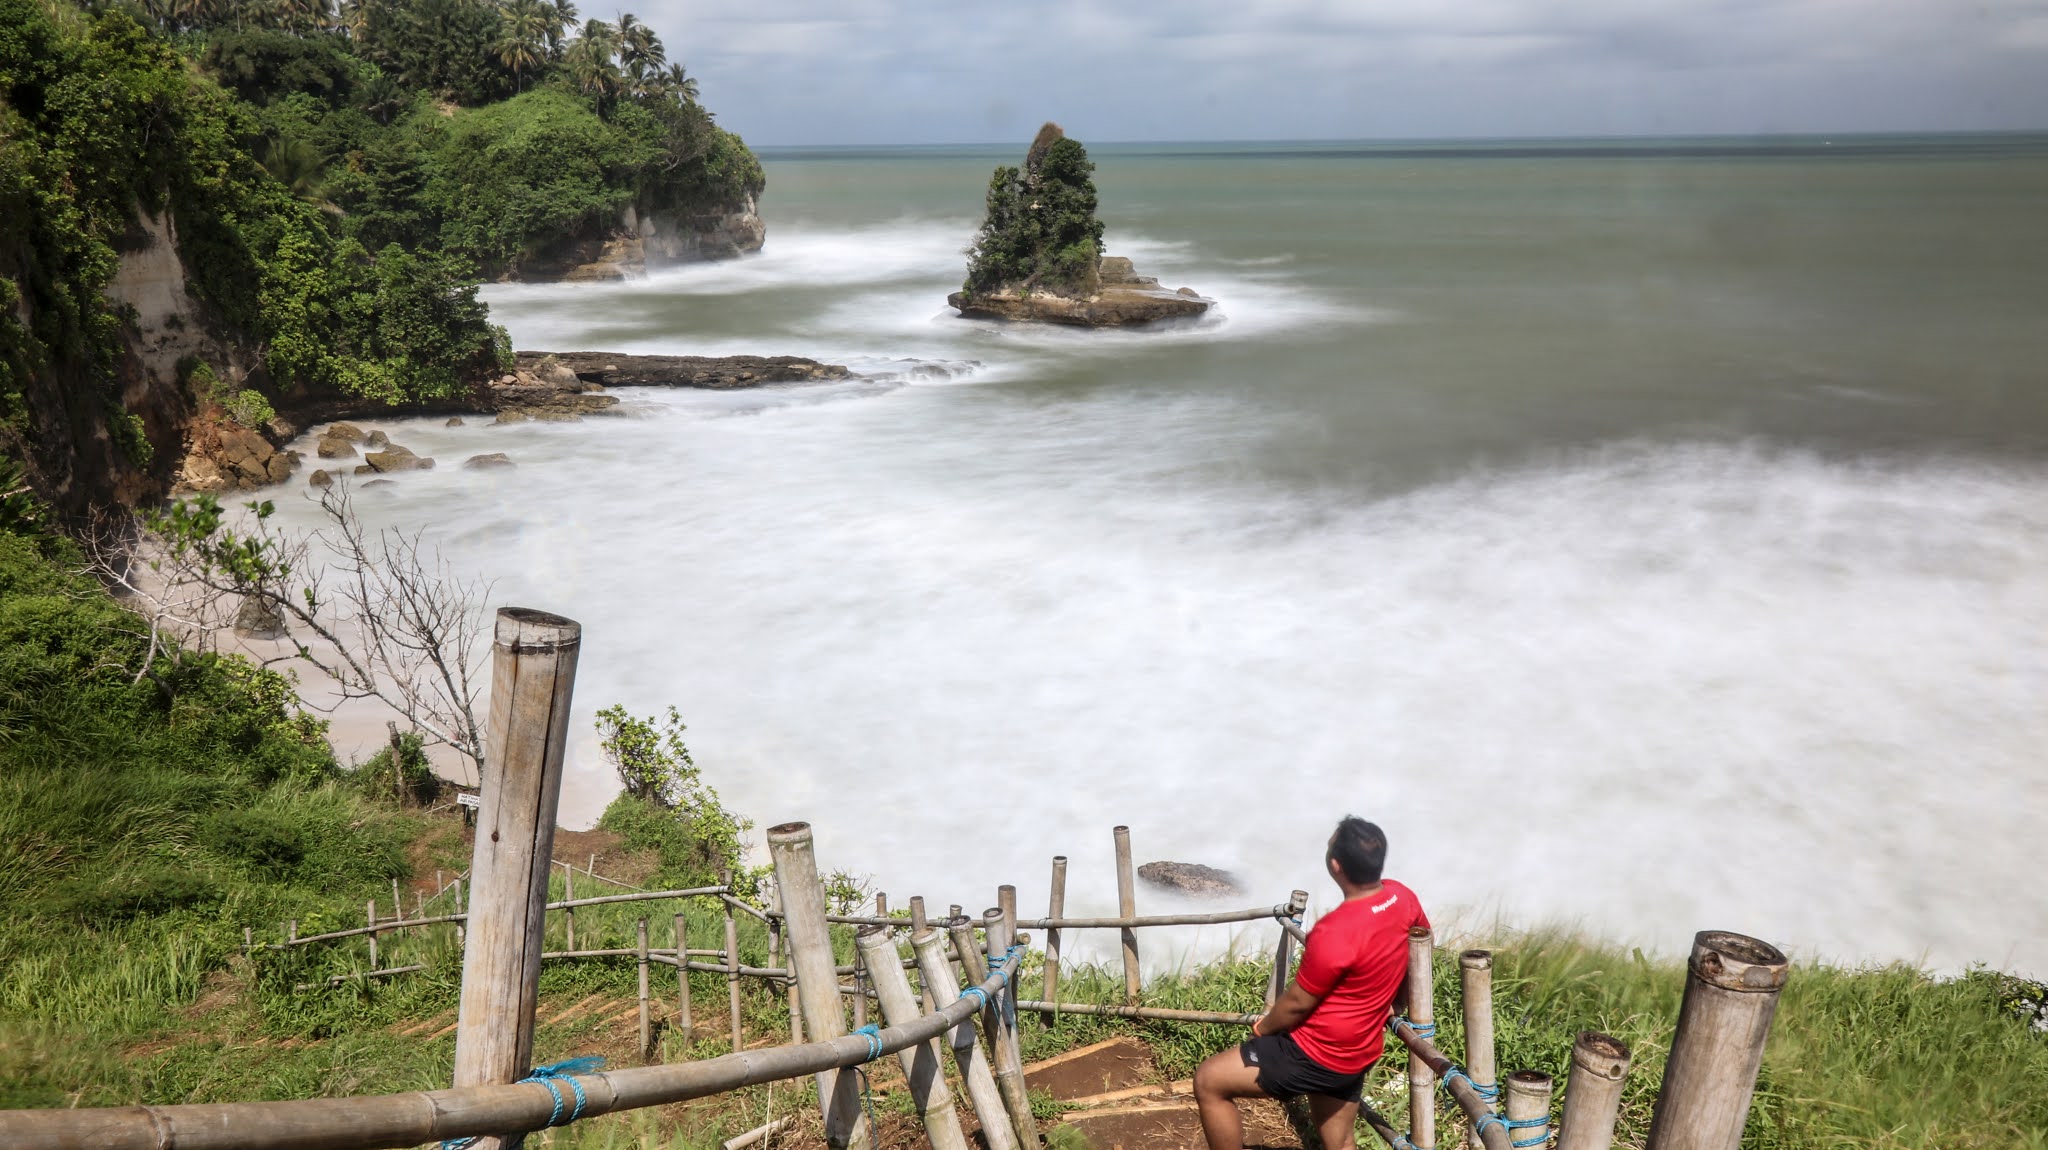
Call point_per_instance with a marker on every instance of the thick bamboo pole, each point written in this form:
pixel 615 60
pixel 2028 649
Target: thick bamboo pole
pixel 732 968
pixel 968 1057
pixel 684 1022
pixel 1421 1012
pixel 1009 1056
pixel 1127 908
pixel 1283 952
pixel 919 923
pixel 397 1120
pixel 817 982
pixel 1731 992
pixel 1055 906
pixel 1468 1098
pixel 533 676
pixel 1475 978
pixel 1592 1095
pixel 646 1016
pixel 1528 1100
pixel 922 1065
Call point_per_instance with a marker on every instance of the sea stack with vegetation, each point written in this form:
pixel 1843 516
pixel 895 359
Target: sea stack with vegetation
pixel 1039 256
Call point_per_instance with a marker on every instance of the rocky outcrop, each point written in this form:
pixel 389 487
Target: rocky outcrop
pixel 643 242
pixel 603 369
pixel 223 456
pixel 1191 878
pixel 488 461
pixel 1124 299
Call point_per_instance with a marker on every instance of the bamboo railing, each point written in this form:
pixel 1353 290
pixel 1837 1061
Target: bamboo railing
pixel 1730 997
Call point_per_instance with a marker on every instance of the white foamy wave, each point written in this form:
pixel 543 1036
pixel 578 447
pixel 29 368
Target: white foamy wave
pixel 1654 680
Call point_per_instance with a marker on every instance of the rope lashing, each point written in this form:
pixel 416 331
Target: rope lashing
pixel 1487 1094
pixel 873 1033
pixel 1421 1029
pixel 1526 1124
pixel 563 1071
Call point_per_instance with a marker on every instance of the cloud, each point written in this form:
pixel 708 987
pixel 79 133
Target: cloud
pixel 870 71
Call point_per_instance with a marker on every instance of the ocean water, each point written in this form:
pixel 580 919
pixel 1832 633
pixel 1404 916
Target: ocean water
pixel 1652 536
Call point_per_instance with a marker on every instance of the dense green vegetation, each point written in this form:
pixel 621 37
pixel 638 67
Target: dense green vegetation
pixel 336 182
pixel 1040 232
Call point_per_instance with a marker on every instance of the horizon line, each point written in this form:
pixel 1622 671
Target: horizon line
pixel 1411 141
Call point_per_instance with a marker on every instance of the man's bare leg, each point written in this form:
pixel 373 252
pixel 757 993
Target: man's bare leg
pixel 1220 1081
pixel 1336 1121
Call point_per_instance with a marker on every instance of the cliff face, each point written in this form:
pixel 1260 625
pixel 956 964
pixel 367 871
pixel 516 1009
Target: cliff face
pixel 639 243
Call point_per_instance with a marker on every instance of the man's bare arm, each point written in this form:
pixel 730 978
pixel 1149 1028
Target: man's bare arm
pixel 1290 1010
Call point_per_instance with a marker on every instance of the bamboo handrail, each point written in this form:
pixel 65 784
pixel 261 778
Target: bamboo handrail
pixel 396 1120
pixel 1154 1013
pixel 1253 914
pixel 461 916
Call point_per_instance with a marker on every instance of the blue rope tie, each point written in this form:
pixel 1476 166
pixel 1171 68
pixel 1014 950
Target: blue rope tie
pixel 1526 1124
pixel 1421 1029
pixel 1480 1126
pixel 873 1033
pixel 563 1071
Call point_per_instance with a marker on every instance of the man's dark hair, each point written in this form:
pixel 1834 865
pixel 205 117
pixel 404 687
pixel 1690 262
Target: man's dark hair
pixel 1360 849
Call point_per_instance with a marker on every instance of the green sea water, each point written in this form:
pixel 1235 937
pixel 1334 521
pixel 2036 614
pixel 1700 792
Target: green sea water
pixel 1652 535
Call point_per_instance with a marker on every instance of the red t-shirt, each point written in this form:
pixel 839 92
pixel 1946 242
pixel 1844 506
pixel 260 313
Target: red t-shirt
pixel 1354 961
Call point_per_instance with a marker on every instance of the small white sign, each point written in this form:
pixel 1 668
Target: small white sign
pixel 473 802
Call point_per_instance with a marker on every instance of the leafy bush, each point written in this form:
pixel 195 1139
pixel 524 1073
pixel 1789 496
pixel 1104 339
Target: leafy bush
pixel 667 806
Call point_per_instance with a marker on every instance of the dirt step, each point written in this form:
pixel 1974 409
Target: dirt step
pixel 1117 1064
pixel 1174 1125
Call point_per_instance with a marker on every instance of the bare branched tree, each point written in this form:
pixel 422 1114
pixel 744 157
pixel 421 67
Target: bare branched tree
pixel 380 614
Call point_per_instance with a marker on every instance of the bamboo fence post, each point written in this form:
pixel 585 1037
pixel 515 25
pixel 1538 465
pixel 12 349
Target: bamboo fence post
pixel 1009 1056
pixel 683 1021
pixel 881 904
pixel 1528 1100
pixel 569 912
pixel 1055 906
pixel 952 914
pixel 732 963
pixel 968 1056
pixel 533 676
pixel 1475 978
pixel 922 1067
pixel 1592 1094
pixel 397 901
pixel 1127 907
pixel 1421 1013
pixel 817 978
pixel 918 925
pixel 461 908
pixel 248 940
pixel 292 931
pixel 1283 952
pixel 1731 992
pixel 860 991
pixel 972 960
pixel 646 1018
pixel 777 951
pixel 370 916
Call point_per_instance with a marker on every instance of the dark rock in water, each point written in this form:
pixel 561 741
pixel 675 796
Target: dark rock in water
pixel 320 479
pixel 380 483
pixel 604 369
pixel 346 432
pixel 376 439
pixel 494 459
pixel 453 421
pixel 1190 878
pixel 256 619
pixel 396 458
pixel 334 447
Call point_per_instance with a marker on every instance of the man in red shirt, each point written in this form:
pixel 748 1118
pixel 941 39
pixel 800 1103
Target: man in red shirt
pixel 1326 1030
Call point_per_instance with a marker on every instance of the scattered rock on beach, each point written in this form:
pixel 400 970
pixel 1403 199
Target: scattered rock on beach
pixel 493 459
pixel 346 432
pixel 1191 878
pixel 376 439
pixel 256 619
pixel 320 479
pixel 512 415
pixel 453 421
pixel 332 448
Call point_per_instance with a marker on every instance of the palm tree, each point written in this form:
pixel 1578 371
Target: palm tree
pixel 589 60
pixel 679 84
pixel 639 44
pixel 524 43
pixel 561 16
pixel 601 36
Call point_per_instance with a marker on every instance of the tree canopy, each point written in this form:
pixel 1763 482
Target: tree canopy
pixel 1040 232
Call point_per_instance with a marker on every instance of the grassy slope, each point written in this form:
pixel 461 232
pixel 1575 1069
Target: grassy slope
pixel 144 822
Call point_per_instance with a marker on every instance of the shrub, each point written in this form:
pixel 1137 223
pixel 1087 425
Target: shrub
pixel 1040 231
pixel 667 806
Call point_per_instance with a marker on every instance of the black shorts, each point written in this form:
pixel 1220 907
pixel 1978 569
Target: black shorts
pixel 1284 1071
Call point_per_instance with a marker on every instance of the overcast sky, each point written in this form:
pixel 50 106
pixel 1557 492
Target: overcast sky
pixel 919 71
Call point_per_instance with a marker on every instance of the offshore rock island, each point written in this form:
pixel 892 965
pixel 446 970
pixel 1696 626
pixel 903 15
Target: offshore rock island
pixel 1038 256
